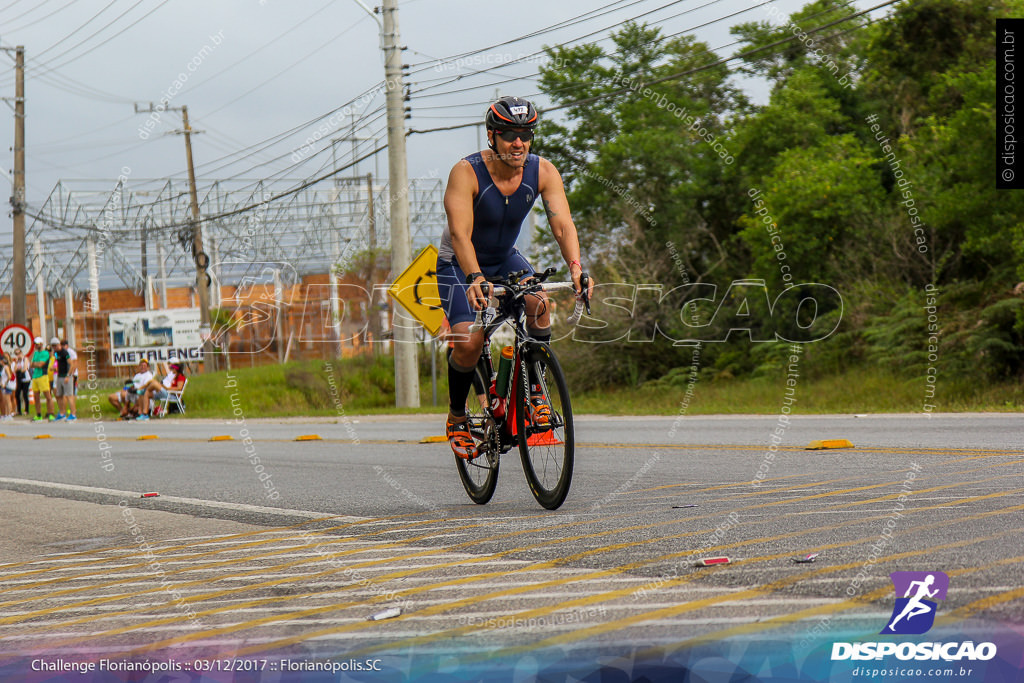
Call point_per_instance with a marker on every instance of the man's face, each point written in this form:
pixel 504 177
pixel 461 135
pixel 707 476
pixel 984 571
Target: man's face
pixel 143 367
pixel 512 153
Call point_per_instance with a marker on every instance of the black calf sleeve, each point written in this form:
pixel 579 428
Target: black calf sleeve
pixel 459 382
pixel 543 335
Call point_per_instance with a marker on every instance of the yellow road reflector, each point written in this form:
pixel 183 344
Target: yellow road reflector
pixel 42 436
pixel 222 437
pixel 308 437
pixel 434 439
pixel 3 436
pixel 147 437
pixel 828 443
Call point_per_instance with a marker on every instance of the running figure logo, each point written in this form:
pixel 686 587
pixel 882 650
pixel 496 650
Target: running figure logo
pixel 914 613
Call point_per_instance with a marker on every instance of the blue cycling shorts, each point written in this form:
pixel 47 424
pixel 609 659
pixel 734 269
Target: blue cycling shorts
pixel 452 287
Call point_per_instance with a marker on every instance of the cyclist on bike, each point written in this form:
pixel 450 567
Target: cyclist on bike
pixel 489 194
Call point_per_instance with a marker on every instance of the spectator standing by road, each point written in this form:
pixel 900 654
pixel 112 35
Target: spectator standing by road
pixel 23 375
pixel 7 385
pixel 41 360
pixel 63 388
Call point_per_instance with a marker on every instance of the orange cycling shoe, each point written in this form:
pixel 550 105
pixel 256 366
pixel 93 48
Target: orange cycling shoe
pixel 540 411
pixel 460 439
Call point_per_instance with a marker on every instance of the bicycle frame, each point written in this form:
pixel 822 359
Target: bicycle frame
pixel 511 309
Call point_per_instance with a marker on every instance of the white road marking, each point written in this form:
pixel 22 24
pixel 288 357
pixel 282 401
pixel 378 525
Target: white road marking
pixel 134 496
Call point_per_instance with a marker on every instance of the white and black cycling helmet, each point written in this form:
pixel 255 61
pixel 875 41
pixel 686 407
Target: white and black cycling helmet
pixel 511 112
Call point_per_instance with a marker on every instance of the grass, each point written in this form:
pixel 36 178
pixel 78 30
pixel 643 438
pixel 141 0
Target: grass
pixel 864 390
pixel 366 385
pixel 303 388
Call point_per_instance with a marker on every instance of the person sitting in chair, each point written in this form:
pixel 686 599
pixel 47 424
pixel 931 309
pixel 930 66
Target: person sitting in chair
pixel 174 380
pixel 127 399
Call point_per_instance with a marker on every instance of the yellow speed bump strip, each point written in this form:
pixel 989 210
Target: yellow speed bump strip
pixel 828 443
pixel 308 437
pixel 222 437
pixel 147 437
pixel 41 436
pixel 434 439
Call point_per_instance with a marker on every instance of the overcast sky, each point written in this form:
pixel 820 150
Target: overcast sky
pixel 263 67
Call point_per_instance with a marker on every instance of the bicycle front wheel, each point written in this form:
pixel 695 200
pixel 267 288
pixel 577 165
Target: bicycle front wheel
pixel 546 442
pixel 480 475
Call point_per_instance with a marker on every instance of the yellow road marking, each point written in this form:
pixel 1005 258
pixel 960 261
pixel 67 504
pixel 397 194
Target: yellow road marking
pixel 265 541
pixel 211 565
pixel 472 600
pixel 617 624
pixel 600 574
pixel 445 531
pixel 605 549
pixel 589 552
pixel 846 605
pixel 216 539
pixel 220 539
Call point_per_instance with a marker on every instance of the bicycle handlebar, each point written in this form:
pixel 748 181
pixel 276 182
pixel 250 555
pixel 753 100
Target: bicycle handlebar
pixel 503 289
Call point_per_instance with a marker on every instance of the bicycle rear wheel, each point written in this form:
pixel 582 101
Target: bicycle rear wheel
pixel 546 449
pixel 480 475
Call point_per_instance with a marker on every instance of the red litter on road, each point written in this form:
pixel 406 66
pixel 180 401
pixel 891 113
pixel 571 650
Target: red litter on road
pixel 154 494
pixel 712 561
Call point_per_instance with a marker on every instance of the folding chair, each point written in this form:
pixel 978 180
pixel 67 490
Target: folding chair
pixel 176 397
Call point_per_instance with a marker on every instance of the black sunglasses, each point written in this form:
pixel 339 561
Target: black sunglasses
pixel 511 135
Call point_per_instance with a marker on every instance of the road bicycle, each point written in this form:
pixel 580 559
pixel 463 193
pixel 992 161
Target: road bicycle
pixel 499 409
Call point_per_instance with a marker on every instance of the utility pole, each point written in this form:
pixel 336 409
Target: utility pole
pixel 19 312
pixel 372 313
pixel 407 381
pixel 163 275
pixel 41 292
pixel 202 261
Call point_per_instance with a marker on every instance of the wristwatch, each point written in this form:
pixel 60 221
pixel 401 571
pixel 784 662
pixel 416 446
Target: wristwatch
pixel 472 277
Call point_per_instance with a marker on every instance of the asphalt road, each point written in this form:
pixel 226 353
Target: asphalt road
pixel 368 519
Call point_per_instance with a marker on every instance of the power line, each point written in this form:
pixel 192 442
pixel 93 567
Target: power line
pixel 287 68
pixel 269 142
pixel 276 38
pixel 541 52
pixel 30 10
pixel 103 28
pixel 681 74
pixel 518 78
pixel 526 57
pixel 72 87
pixel 48 66
pixel 416 68
pixel 42 18
pixel 81 27
pixel 7 7
pixel 214 217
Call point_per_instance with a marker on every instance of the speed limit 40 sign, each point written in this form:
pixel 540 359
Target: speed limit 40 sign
pixel 16 338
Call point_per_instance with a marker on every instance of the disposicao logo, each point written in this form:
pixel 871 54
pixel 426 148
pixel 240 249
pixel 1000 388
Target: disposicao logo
pixel 914 614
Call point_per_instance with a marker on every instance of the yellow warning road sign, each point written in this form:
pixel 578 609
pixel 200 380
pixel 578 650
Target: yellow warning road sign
pixel 416 290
